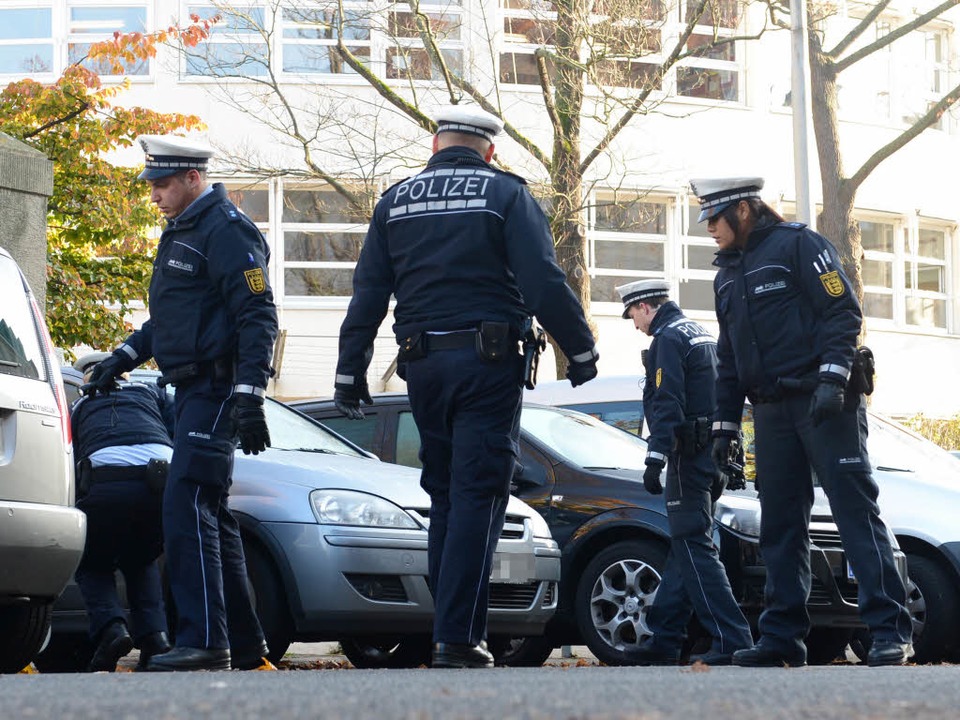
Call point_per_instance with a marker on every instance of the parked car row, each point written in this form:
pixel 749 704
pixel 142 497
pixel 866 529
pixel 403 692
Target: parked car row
pixel 336 548
pixel 919 501
pixel 584 478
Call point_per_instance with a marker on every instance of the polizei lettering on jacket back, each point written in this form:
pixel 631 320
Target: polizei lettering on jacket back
pixel 440 191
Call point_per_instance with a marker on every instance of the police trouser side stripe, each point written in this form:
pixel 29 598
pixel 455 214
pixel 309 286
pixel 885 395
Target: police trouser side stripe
pixel 706 598
pixel 494 509
pixel 203 570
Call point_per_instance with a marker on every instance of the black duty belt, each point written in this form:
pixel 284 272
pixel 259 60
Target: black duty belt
pixel 113 473
pixel 451 340
pixel 219 369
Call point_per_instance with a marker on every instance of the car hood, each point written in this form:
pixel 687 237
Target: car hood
pixel 275 485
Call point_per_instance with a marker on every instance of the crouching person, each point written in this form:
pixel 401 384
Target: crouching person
pixel 122 441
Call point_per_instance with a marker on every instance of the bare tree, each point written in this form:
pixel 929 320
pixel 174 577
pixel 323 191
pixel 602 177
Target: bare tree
pixel 863 40
pixel 599 65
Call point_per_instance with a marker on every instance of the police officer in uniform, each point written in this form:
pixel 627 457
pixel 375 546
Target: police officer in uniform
pixel 211 331
pixel 122 441
pixel 678 402
pixel 789 322
pixel 468 254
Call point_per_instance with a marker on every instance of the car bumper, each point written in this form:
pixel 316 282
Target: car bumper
pixel 355 581
pixel 40 548
pixel 833 591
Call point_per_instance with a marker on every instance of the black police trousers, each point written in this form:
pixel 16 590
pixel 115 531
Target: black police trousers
pixel 468 414
pixel 204 553
pixel 694 579
pixel 788 446
pixel 123 532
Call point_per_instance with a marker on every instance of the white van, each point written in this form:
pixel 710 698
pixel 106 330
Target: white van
pixel 41 533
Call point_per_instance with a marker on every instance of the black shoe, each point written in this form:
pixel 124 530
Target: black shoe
pixel 250 657
pixel 714 658
pixel 649 653
pixel 760 656
pixel 115 642
pixel 888 652
pixel 458 655
pixel 188 658
pixel 153 644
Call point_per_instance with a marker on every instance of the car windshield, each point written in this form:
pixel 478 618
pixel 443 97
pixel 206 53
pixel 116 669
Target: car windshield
pixel 894 447
pixel 583 440
pixel 291 431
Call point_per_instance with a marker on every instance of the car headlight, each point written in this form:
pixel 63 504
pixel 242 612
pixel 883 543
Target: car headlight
pixel 741 515
pixel 346 507
pixel 539 526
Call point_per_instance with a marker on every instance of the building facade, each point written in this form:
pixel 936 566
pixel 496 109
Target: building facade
pixel 296 126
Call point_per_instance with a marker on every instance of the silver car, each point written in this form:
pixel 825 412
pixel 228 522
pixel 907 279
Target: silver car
pixel 41 533
pixel 336 548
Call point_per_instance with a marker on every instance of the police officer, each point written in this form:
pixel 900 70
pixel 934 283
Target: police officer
pixel 122 442
pixel 468 254
pixel 789 322
pixel 211 331
pixel 678 402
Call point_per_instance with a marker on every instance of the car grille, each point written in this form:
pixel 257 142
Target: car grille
pixel 504 596
pixel 825 538
pixel 379 588
pixel 513 525
pixel 819 595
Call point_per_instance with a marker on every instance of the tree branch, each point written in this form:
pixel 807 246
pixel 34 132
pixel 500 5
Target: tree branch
pixel 84 106
pixel 858 29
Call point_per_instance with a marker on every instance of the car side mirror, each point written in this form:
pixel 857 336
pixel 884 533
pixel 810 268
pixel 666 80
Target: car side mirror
pixel 532 475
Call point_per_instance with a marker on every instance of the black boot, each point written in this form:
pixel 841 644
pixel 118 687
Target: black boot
pixel 249 658
pixel 888 652
pixel 115 642
pixel 153 644
pixel 458 655
pixel 649 653
pixel 187 658
pixel 760 656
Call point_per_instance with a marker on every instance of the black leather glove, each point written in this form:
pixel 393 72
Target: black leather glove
pixel 827 401
pixel 720 454
pixel 580 373
pixel 651 477
pixel 251 423
pixel 348 401
pixel 718 485
pixel 103 377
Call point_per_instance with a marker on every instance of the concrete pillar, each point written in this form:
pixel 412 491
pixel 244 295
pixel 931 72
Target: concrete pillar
pixel 26 183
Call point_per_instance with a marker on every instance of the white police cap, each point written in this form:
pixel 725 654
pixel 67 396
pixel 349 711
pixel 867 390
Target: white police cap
pixel 641 291
pixel 468 119
pixel 716 194
pixel 167 155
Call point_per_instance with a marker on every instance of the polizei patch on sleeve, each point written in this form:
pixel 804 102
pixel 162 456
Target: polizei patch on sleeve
pixel 255 280
pixel 832 283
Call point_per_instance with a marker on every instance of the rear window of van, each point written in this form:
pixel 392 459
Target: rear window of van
pixel 19 345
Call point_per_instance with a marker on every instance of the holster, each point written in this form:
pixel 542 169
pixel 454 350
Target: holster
pixel 493 340
pixel 84 475
pixel 218 369
pixel 157 471
pixel 412 348
pixel 862 372
pixel 534 343
pixel 693 436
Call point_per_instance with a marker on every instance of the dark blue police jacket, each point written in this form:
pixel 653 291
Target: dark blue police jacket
pixel 209 294
pixel 681 373
pixel 457 244
pixel 135 414
pixel 786 310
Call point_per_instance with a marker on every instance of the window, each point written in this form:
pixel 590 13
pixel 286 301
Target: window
pixel 696 270
pixel 237 45
pixel 310 37
pixel 95 23
pixel 43 37
pixel 627 241
pixel 322 238
pixel 877 239
pixel 405 56
pixel 925 278
pixel 26 41
pixel 712 72
pixel 408 441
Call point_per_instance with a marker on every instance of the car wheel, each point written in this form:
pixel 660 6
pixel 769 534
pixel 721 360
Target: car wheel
pixel 23 628
pixel 826 644
pixel 520 651
pixel 269 600
pixel 615 593
pixel 374 653
pixel 933 605
pixel 66 653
